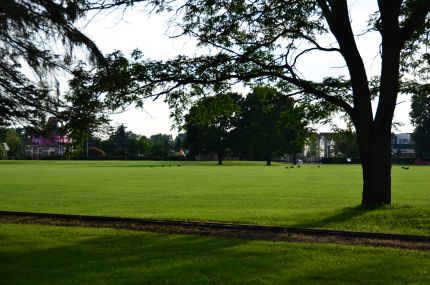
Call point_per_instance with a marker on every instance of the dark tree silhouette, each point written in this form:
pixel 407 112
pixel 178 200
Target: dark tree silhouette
pixel 345 143
pixel 270 124
pixel 420 116
pixel 209 123
pixel 28 31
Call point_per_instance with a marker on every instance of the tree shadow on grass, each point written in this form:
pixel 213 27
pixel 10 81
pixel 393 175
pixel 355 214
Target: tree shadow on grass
pixel 124 258
pixel 76 256
pixel 341 216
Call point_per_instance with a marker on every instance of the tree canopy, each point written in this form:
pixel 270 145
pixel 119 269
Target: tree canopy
pixel 209 123
pixel 84 112
pixel 420 116
pixel 39 37
pixel 345 144
pixel 270 125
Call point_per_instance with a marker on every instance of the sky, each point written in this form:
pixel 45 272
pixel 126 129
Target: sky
pixel 135 29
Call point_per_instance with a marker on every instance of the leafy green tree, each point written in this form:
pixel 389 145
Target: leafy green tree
pixel 133 144
pixel 270 124
pixel 161 146
pixel 14 142
pixel 85 114
pixel 24 134
pixel 209 123
pixel 2 152
pixel 117 143
pixel 266 40
pixel 345 144
pixel 3 132
pixel 125 143
pixel 144 146
pixel 311 144
pixel 120 142
pixel 420 116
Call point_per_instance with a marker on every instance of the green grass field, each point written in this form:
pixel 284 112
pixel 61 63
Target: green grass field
pixel 326 197
pixel 32 254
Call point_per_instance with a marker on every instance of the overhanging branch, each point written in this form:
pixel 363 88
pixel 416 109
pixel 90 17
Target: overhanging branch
pixel 415 19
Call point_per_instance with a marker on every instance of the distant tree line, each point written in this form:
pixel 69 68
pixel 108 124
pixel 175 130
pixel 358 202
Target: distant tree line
pixel 123 144
pixel 120 144
pixel 259 126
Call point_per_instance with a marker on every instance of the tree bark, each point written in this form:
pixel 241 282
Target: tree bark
pixel 373 132
pixel 375 142
pixel 375 152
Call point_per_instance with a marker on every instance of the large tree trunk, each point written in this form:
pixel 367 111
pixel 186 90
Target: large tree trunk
pixel 375 149
pixel 374 132
pixel 375 152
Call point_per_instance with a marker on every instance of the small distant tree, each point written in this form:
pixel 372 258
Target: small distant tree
pixel 133 144
pixel 24 134
pixel 345 143
pixel 2 152
pixel 144 146
pixel 311 143
pixel 84 114
pixel 209 123
pixel 161 146
pixel 120 141
pixel 14 142
pixel 420 116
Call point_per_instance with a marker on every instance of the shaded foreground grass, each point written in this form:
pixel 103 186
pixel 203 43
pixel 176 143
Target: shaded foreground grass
pixel 32 254
pixel 325 197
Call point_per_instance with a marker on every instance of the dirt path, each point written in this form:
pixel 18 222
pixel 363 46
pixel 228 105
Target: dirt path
pixel 243 231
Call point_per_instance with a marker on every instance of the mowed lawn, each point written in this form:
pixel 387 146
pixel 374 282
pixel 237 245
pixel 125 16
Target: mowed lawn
pixel 324 197
pixel 31 254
